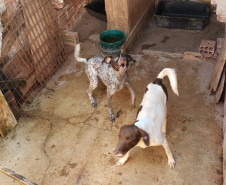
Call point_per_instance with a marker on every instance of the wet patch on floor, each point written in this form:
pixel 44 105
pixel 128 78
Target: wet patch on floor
pixel 148 46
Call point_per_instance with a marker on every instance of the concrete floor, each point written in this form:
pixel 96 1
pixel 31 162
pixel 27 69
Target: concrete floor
pixel 62 140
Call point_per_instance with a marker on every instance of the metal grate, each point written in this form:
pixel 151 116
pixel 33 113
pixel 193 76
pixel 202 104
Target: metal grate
pixel 32 49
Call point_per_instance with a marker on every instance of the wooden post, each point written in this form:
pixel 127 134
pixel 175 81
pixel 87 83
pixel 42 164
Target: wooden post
pixel 219 67
pixel 224 142
pixel 117 15
pixel 137 26
pixel 7 119
pixel 19 178
pixel 128 16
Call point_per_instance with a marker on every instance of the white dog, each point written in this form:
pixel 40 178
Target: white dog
pixel 149 129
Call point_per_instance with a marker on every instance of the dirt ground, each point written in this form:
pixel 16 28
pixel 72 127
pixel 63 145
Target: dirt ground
pixel 62 140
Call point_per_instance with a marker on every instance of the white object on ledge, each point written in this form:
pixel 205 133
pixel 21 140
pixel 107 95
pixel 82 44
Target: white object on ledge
pixel 221 9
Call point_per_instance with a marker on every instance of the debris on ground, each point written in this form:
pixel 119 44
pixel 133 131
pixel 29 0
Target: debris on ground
pixel 208 49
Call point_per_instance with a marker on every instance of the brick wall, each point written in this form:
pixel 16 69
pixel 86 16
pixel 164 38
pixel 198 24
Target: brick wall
pixel 67 12
pixel 11 6
pixel 70 13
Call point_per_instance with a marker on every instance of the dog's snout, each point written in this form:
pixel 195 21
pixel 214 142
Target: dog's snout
pixel 115 151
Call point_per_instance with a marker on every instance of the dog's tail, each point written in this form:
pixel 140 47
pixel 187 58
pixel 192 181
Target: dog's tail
pixel 77 53
pixel 172 78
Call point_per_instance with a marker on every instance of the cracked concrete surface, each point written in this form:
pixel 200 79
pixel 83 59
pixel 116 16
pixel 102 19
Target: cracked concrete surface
pixel 62 140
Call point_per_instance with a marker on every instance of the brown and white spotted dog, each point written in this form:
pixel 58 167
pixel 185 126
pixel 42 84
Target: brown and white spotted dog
pixel 149 129
pixel 112 71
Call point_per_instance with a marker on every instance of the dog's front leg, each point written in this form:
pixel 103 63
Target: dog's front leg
pixel 171 161
pixel 122 160
pixel 131 90
pixel 111 115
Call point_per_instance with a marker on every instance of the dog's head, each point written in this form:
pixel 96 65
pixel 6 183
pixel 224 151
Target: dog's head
pixel 119 62
pixel 129 136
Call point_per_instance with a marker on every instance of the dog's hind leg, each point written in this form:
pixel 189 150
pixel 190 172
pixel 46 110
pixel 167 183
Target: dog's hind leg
pixel 164 127
pixel 111 115
pixel 131 90
pixel 171 161
pixel 93 85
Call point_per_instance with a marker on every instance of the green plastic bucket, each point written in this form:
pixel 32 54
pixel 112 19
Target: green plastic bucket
pixel 111 41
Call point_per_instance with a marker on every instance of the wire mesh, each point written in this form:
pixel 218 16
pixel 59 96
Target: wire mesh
pixel 32 49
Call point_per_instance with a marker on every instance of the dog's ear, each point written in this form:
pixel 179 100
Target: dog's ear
pixel 107 59
pixel 145 136
pixel 130 59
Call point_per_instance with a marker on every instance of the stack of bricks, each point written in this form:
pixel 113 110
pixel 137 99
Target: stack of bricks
pixel 207 48
pixel 71 11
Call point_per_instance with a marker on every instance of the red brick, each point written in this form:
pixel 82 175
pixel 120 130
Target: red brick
pixel 58 5
pixel 207 48
pixel 70 13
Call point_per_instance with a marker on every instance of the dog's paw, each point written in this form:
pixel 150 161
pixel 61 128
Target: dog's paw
pixel 171 163
pixel 94 103
pixel 112 117
pixel 120 162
